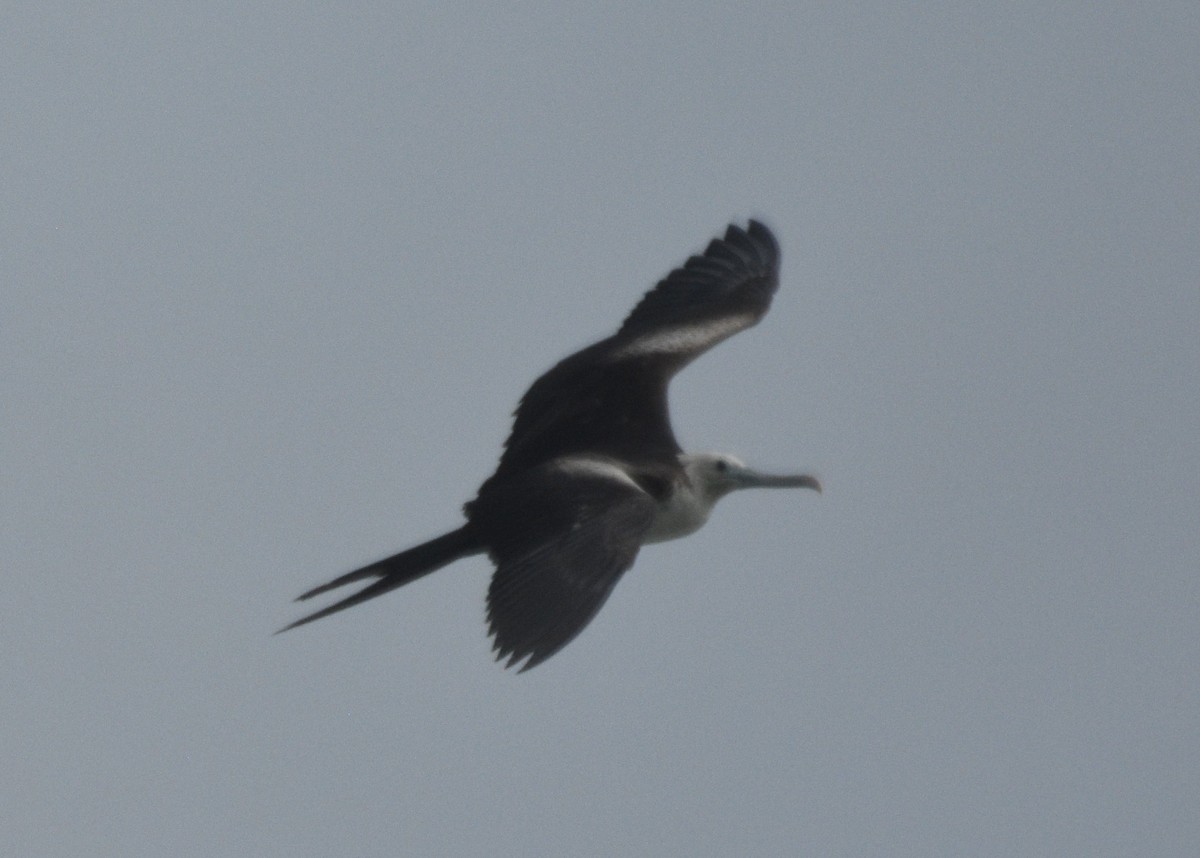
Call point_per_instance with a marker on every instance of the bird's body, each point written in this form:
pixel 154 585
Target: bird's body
pixel 591 470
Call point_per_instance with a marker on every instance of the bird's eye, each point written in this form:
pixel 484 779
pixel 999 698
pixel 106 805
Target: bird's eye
pixel 722 465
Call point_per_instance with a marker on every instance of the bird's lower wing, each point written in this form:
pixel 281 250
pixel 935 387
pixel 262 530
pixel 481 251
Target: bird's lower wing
pixel 542 597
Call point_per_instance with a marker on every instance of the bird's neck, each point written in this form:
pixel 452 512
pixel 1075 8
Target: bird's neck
pixel 684 510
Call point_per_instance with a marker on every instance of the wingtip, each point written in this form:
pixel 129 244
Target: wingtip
pixel 733 232
pixel 756 241
pixel 509 656
pixel 531 662
pixel 763 239
pixel 507 659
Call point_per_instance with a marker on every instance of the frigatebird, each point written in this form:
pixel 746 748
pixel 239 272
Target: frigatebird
pixel 591 471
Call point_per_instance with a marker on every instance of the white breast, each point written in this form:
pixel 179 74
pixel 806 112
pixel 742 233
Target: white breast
pixel 683 512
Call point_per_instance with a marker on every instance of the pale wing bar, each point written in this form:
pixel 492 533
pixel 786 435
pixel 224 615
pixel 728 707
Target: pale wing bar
pixel 723 291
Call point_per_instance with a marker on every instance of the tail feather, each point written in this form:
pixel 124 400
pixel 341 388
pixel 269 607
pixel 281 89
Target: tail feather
pixel 393 572
pixel 378 569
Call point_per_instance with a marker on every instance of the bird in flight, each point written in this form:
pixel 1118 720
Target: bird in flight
pixel 591 471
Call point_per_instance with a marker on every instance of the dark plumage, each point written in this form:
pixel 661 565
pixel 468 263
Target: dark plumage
pixel 592 470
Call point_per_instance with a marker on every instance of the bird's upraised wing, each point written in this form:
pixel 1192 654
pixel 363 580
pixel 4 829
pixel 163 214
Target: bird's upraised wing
pixel 615 390
pixel 707 299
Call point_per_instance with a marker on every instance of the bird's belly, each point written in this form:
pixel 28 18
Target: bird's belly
pixel 678 515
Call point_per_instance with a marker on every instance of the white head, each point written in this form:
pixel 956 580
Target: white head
pixel 714 475
pixel 711 476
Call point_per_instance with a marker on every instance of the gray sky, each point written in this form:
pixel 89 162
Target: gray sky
pixel 274 278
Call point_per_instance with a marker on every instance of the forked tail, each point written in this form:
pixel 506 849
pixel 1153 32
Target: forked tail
pixel 394 571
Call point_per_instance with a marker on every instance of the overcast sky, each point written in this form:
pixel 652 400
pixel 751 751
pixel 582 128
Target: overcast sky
pixel 272 279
